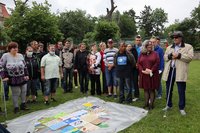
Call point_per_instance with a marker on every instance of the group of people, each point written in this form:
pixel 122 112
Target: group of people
pixel 128 67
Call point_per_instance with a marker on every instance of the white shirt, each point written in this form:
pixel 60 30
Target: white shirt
pixel 51 66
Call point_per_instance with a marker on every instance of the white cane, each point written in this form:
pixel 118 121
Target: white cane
pixel 170 87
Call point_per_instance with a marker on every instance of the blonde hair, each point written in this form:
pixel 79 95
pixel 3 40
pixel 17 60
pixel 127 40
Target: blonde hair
pixel 144 46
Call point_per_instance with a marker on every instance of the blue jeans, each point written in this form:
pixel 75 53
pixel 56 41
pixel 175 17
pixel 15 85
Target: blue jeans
pixel 6 89
pixel 111 77
pixel 125 82
pixel 181 90
pixel 50 86
pixel 67 81
pixel 160 87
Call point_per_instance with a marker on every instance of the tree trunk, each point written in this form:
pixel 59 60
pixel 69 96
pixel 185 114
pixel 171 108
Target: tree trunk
pixel 109 12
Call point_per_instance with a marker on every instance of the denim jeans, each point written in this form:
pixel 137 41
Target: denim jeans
pixel 6 89
pixel 111 77
pixel 125 82
pixel 67 81
pixel 160 87
pixel 50 86
pixel 136 87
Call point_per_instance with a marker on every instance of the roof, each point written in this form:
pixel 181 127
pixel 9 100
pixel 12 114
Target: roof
pixel 4 11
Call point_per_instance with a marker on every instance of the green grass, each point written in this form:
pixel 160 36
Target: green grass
pixel 154 121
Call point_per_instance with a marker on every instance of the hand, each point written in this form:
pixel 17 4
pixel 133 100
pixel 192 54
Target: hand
pixel 75 70
pixel 5 79
pixel 145 72
pixel 174 55
pixel 61 76
pixel 148 70
pixel 42 77
pixel 26 78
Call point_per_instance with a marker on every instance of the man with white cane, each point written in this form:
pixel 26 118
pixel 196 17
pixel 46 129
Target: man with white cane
pixel 177 57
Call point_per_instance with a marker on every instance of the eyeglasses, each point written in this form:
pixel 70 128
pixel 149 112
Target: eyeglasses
pixel 138 40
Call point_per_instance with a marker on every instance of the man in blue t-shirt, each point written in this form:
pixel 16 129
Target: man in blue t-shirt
pixel 124 62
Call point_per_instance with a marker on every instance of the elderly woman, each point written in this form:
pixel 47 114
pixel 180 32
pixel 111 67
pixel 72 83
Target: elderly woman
pixel 148 65
pixel 14 70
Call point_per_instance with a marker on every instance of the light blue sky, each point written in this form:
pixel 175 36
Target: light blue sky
pixel 176 9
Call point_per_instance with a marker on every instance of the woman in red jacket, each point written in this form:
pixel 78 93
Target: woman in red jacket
pixel 148 64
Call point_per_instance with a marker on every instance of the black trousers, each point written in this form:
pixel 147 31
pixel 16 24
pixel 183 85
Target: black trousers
pixel 181 89
pixel 83 81
pixel 95 84
pixel 105 88
pixel 135 80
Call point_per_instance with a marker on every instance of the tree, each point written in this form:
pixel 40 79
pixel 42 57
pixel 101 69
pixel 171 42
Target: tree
pixel 145 21
pixel 110 12
pixel 105 30
pixel 159 18
pixel 4 38
pixel 36 23
pixel 76 24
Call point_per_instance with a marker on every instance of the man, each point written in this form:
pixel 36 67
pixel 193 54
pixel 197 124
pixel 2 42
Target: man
pixel 81 67
pixel 68 64
pixel 156 43
pixel 137 46
pixel 110 71
pixel 124 63
pixel 177 57
pixel 59 47
pixel 51 70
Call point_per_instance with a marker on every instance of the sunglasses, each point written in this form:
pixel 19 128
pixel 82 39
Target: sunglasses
pixel 175 37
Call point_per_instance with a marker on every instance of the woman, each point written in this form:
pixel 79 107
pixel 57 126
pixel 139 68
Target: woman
pixel 102 47
pixel 33 70
pixel 14 70
pixel 95 70
pixel 148 65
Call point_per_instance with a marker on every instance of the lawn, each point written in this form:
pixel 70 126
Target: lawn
pixel 154 121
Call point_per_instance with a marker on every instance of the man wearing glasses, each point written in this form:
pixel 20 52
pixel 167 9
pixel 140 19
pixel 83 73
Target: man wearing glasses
pixel 177 57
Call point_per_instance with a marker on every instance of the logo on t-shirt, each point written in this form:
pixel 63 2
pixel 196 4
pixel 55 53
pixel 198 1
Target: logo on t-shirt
pixel 122 60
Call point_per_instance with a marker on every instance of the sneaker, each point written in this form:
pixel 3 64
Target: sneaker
pixel 159 97
pixel 16 110
pixel 135 99
pixel 46 102
pixel 114 96
pixel 53 99
pixel 182 112
pixel 76 87
pixel 23 107
pixel 166 108
pixel 110 95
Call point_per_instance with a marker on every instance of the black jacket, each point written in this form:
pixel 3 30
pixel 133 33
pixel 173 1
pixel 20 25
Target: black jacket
pixel 81 61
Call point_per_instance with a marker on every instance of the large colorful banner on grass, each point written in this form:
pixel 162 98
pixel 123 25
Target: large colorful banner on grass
pixel 87 114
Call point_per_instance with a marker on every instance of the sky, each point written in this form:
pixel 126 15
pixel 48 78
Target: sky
pixel 176 9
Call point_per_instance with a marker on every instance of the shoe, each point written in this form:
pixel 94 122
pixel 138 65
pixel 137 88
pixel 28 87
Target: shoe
pixel 114 96
pixel 33 101
pixel 121 101
pixel 109 95
pixel 159 97
pixel 182 112
pixel 46 102
pixel 16 110
pixel 53 99
pixel 76 87
pixel 28 101
pixel 166 108
pixel 23 107
pixel 135 99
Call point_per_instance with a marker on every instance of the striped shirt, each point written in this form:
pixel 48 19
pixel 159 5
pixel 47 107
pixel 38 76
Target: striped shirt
pixel 109 55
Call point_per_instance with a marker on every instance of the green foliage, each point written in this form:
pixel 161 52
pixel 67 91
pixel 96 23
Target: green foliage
pixel 4 38
pixel 159 18
pixel 105 30
pixel 33 23
pixel 145 21
pixel 76 24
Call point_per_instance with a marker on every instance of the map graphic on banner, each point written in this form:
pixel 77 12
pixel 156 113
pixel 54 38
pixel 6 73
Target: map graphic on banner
pixel 89 118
